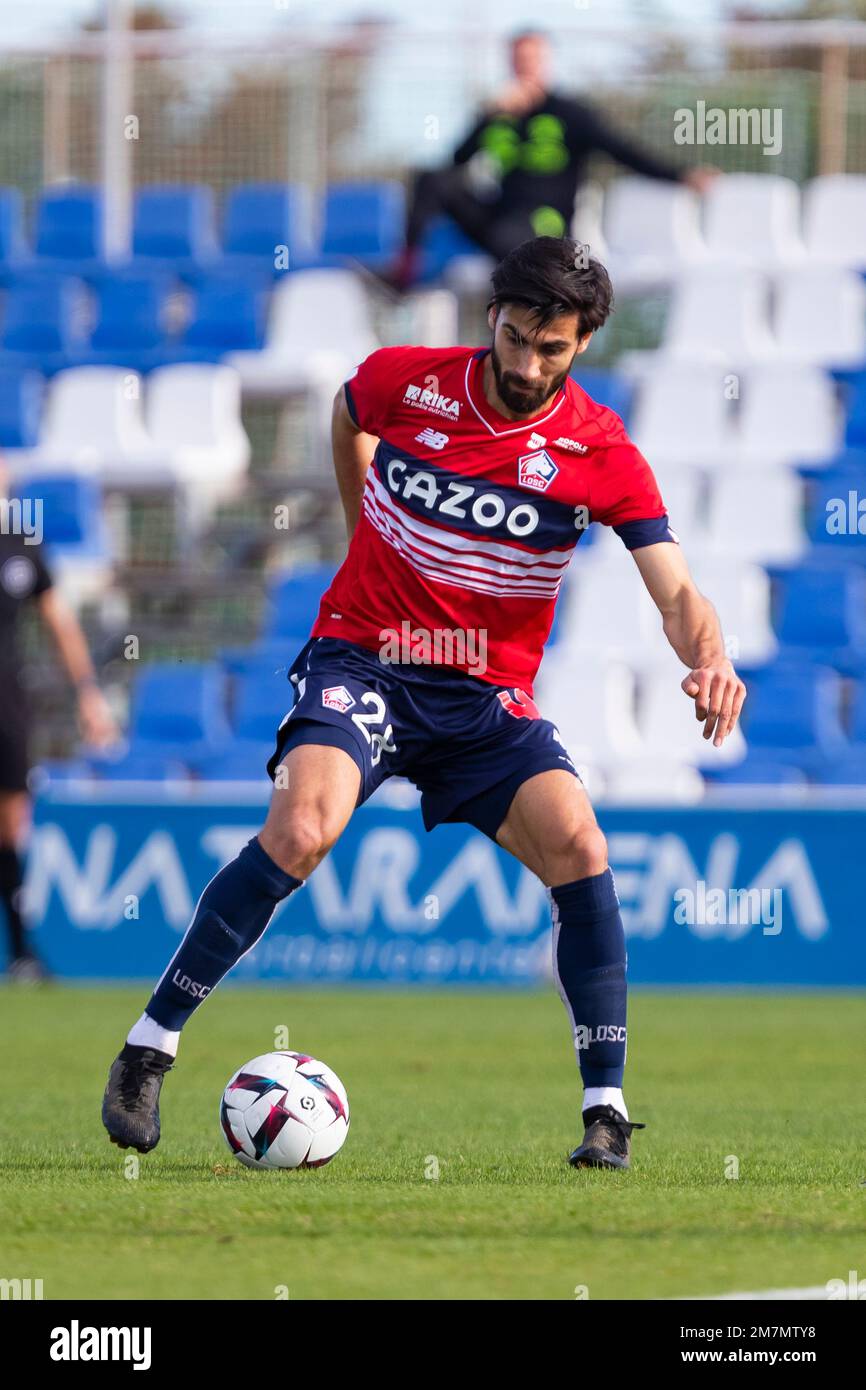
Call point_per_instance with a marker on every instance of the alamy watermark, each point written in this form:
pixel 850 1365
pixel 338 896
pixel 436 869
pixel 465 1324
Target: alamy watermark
pixel 755 125
pixel 22 516
pixel 733 907
pixel 439 646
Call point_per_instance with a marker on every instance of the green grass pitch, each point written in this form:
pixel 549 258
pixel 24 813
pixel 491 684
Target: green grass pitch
pixel 483 1085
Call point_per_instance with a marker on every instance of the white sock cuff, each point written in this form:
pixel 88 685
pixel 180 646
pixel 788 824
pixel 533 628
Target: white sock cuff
pixel 604 1095
pixel 148 1033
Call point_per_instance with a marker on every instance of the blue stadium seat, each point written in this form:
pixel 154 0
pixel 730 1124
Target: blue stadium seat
pixel 14 251
pixel 849 771
pixel 837 525
pixel 128 331
pixel 72 518
pixel 607 388
pixel 21 394
pixel 228 316
pixel 265 659
pixel 43 324
pixel 793 716
pixel 69 230
pixel 173 229
pixel 823 617
pixel 757 771
pixel 855 428
pixel 242 760
pixel 442 242
pixel 259 217
pixel 140 765
pixel 858 714
pixel 180 708
pixel 364 221
pixel 261 704
pixel 294 601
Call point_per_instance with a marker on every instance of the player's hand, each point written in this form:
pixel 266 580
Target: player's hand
pixel 97 723
pixel 516 98
pixel 718 694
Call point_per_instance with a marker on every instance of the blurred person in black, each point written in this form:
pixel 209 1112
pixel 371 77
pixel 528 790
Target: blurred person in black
pixel 516 174
pixel 25 578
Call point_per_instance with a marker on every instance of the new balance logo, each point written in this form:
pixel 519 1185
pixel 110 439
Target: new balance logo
pixel 536 441
pixel 571 444
pixel 425 399
pixel 432 438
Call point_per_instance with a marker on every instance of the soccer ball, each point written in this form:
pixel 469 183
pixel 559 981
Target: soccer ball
pixel 284 1110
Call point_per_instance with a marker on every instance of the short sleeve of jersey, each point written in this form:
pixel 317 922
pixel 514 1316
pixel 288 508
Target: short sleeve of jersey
pixel 372 385
pixel 625 494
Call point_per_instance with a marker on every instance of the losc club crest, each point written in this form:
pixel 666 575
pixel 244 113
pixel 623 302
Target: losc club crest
pixel 536 471
pixel 337 697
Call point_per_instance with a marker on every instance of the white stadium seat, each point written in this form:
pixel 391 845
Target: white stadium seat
pixel 720 315
pixel 653 781
pixel 591 706
pixel 756 516
pixel 835 220
pixel 652 232
pixel 821 317
pixel 193 411
pixel 319 329
pixel 754 220
pixel 666 718
pixel 93 424
pixel 683 415
pixel 740 594
pixel 624 626
pixel 788 415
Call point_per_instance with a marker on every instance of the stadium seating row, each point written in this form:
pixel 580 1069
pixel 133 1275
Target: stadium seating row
pixel 266 229
pixel 649 231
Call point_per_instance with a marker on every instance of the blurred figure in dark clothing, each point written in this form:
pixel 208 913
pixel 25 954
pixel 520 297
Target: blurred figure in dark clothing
pixel 516 174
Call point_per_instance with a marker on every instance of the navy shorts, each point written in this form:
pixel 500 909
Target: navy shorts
pixel 466 744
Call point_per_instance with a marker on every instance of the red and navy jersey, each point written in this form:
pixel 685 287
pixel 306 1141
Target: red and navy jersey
pixel 469 519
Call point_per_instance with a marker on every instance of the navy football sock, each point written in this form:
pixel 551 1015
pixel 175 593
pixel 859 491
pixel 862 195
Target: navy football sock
pixel 232 914
pixel 589 961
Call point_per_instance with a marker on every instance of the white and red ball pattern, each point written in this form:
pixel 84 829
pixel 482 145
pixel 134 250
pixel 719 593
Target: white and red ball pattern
pixel 284 1110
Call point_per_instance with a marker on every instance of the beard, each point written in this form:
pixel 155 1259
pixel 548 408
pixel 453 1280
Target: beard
pixel 517 395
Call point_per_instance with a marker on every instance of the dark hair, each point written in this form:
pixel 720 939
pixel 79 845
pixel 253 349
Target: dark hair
pixel 554 275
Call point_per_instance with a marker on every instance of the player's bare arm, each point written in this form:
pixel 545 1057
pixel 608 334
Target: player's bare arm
pixel 353 451
pixel 692 627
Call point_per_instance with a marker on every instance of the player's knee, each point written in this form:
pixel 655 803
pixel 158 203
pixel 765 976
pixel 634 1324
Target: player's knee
pixel 298 842
pixel 581 854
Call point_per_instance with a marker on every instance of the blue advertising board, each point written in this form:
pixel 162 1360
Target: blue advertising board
pixel 752 896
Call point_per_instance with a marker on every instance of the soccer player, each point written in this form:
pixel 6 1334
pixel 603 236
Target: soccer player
pixel 467 477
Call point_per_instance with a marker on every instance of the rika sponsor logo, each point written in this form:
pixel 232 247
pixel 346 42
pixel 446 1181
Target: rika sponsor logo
pixel 434 439
pixel 536 471
pixel 425 399
pixel 571 444
pixel 337 697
